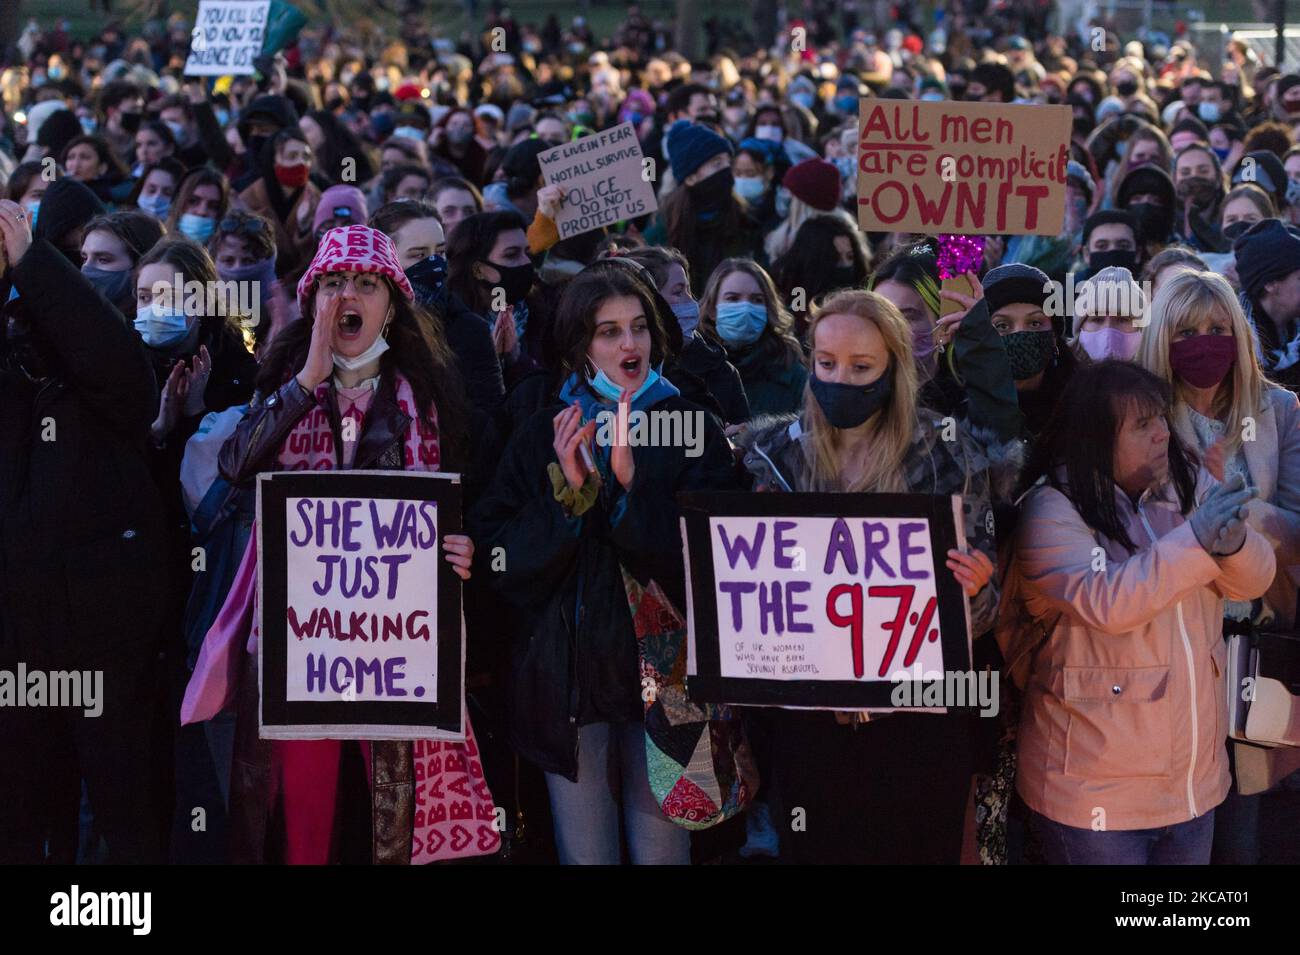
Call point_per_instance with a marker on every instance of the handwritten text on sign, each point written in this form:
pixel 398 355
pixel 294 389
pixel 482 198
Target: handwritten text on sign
pixel 968 168
pixel 602 178
pixel 362 599
pixel 824 598
pixel 227 37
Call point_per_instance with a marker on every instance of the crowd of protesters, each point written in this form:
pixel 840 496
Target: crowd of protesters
pixel 381 199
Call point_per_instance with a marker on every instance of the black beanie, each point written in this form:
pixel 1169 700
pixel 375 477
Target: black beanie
pixel 1266 252
pixel 1013 283
pixel 59 129
pixel 66 205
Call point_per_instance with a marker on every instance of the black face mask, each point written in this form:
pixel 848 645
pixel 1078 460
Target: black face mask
pixel 428 279
pixel 1154 221
pixel 130 121
pixel 516 280
pixel 1083 125
pixel 1127 88
pixel 711 194
pixel 254 146
pixel 844 276
pixel 1124 258
pixel 1237 228
pixel 847 406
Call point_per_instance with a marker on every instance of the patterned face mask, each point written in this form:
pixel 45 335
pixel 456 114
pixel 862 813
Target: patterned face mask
pixel 1028 352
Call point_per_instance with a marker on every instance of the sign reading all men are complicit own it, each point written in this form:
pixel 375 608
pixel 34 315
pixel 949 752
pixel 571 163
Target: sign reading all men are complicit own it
pixel 962 168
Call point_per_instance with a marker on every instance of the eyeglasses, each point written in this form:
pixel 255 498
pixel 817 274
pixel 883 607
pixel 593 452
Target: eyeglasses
pixel 242 226
pixel 366 284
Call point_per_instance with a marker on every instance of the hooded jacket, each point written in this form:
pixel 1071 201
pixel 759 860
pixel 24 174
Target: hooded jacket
pixel 1125 708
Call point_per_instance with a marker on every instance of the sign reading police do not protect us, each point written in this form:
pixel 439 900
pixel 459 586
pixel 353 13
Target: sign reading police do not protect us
pixel 603 178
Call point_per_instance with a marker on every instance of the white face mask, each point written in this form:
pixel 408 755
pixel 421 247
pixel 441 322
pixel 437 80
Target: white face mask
pixel 371 354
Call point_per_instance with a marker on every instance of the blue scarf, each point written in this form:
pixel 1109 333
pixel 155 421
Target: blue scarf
pixel 593 404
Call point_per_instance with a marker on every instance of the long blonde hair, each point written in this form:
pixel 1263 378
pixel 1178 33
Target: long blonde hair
pixel 1183 300
pixel 892 428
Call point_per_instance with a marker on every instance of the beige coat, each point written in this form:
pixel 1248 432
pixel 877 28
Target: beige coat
pixel 1125 717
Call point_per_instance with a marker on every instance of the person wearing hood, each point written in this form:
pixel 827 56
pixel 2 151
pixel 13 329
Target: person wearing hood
pixel 754 171
pixel 1147 194
pixel 1268 265
pixel 65 209
pixel 1199 184
pixel 891 789
pixel 1145 146
pixel 284 194
pixel 420 242
pixel 703 358
pixel 1040 362
pixel 703 218
pixel 258 122
pixel 583 520
pixel 82 558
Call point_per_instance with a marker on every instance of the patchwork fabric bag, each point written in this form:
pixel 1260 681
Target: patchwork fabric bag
pixel 701 768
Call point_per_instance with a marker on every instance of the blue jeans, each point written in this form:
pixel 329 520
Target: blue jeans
pixel 587 812
pixel 1184 843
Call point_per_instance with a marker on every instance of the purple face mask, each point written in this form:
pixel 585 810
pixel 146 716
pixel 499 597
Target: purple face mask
pixel 1103 343
pixel 923 346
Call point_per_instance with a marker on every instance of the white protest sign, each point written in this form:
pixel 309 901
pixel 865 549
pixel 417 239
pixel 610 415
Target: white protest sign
pixel 228 35
pixel 603 178
pixel 820 601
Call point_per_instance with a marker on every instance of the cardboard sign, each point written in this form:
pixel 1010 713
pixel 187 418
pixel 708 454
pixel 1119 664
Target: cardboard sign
pixel 820 601
pixel 970 168
pixel 361 633
pixel 228 35
pixel 602 178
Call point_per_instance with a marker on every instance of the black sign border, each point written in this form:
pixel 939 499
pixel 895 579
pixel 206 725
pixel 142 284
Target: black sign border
pixel 708 685
pixel 273 493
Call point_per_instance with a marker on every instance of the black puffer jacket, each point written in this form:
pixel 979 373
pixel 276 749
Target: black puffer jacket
pixel 575 657
pixel 81 524
pixel 708 362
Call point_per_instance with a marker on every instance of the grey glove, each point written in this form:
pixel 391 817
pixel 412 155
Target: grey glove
pixel 1220 522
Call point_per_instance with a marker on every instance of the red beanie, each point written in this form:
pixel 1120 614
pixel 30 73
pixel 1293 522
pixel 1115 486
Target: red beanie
pixel 816 182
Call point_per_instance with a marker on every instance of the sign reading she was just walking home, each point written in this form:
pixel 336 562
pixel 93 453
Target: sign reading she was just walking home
pixel 963 168
pixel 819 600
pixel 603 179
pixel 228 35
pixel 361 633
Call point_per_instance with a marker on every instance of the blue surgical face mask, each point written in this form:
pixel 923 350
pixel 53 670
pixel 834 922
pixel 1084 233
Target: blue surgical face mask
pixel 848 105
pixel 34 208
pixel 688 316
pixel 161 327
pixel 1121 148
pixel 782 202
pixel 846 166
pixel 408 132
pixel 198 228
pixel 114 286
pixel 805 100
pixel 749 188
pixel 88 124
pixel 740 323
pixel 932 97
pixel 605 387
pixel 223 116
pixel 1209 112
pixel 156 206
pixel 1222 153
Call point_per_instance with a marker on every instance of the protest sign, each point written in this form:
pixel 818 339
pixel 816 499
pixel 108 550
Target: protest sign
pixel 603 178
pixel 228 35
pixel 819 600
pixel 969 168
pixel 361 634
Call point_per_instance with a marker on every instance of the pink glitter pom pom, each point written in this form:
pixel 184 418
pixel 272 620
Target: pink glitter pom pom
pixel 959 254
